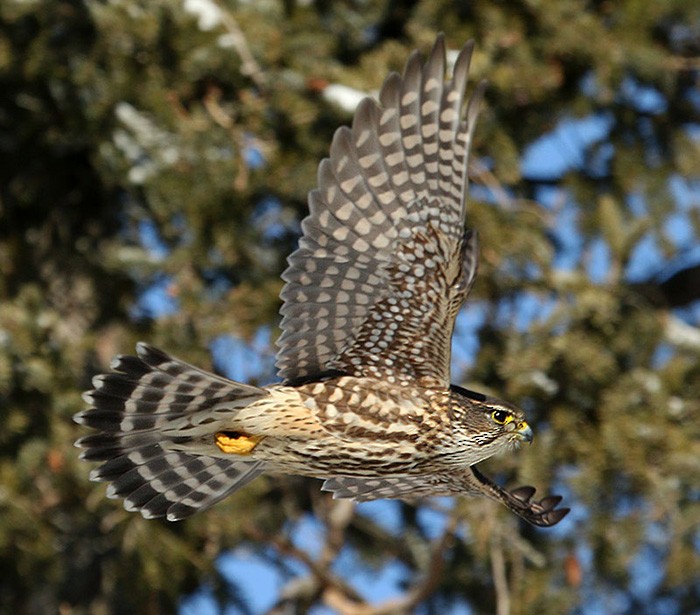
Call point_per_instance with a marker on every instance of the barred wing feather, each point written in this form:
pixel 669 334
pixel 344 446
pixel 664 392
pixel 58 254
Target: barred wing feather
pixel 384 262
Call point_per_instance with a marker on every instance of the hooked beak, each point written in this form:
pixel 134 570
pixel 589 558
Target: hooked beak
pixel 524 432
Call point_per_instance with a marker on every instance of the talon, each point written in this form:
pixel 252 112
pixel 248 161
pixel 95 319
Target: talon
pixel 236 442
pixel 554 516
pixel 550 502
pixel 523 493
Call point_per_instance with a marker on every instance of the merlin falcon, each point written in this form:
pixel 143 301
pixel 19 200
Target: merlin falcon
pixel 369 305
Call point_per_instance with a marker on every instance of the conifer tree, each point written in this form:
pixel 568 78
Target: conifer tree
pixel 154 164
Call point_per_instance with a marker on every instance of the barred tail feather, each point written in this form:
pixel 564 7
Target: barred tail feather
pixel 148 407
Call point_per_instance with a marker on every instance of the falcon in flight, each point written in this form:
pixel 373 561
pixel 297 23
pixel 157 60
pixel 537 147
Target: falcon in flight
pixel 371 295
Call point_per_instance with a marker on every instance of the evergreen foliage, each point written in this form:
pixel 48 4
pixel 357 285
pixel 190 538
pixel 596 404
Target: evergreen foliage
pixel 162 149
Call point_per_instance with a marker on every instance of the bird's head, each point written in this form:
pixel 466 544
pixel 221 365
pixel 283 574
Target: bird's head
pixel 493 425
pixel 485 426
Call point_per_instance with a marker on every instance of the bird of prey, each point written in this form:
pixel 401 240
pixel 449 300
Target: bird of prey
pixel 369 306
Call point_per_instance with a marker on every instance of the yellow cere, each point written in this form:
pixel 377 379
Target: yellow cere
pixel 236 442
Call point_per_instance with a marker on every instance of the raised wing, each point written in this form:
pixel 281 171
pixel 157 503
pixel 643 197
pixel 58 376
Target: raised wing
pixel 384 263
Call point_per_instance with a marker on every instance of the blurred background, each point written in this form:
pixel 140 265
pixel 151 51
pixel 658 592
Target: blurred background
pixel 155 159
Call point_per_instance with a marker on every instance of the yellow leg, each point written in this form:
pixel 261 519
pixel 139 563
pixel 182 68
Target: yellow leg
pixel 236 442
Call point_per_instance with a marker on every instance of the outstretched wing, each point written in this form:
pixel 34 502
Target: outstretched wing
pixel 384 263
pixel 542 513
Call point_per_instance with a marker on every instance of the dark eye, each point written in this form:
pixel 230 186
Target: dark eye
pixel 500 416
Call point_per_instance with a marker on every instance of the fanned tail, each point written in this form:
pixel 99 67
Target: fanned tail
pixel 144 412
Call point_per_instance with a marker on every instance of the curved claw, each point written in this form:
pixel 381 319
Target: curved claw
pixel 523 493
pixel 542 513
pixel 550 502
